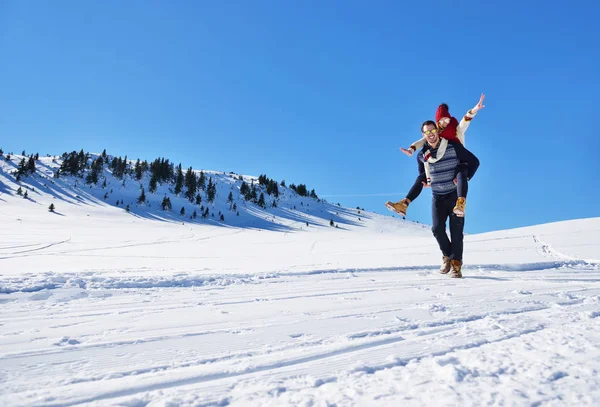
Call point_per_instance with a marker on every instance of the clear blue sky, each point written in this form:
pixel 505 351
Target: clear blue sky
pixel 318 92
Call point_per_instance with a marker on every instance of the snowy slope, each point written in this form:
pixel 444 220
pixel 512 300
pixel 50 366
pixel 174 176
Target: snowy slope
pixel 103 307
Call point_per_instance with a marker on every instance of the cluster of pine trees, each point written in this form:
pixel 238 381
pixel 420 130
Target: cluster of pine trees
pixel 272 188
pixel 26 167
pixel 119 167
pixel 96 169
pixel 73 163
pixel 303 191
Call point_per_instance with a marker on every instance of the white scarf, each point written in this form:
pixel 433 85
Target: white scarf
pixel 440 152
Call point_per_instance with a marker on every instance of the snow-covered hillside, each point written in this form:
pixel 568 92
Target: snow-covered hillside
pixel 110 193
pixel 99 306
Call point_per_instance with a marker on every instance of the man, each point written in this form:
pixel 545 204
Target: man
pixel 449 160
pixel 448 128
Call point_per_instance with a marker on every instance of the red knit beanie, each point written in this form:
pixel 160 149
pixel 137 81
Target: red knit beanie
pixel 442 111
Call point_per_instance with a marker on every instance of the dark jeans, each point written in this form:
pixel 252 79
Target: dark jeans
pixel 441 209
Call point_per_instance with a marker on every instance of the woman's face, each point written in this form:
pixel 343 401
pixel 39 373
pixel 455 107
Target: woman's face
pixel 444 121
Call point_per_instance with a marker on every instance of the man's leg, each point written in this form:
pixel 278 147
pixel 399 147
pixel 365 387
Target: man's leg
pixel 457 225
pixel 439 214
pixel 415 190
pixel 401 206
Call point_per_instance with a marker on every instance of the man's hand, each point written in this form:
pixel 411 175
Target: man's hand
pixel 408 152
pixel 479 105
pixel 425 185
pixel 455 181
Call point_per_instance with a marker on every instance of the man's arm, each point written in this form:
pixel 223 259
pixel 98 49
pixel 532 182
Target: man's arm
pixel 466 157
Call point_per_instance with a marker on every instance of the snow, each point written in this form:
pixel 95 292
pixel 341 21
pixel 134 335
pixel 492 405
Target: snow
pixel 103 307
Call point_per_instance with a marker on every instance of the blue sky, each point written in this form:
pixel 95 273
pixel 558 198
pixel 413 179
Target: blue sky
pixel 318 92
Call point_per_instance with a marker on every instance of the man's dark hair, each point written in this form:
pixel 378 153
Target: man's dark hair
pixel 427 123
pixel 445 106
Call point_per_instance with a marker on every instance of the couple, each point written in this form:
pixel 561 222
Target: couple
pixel 446 166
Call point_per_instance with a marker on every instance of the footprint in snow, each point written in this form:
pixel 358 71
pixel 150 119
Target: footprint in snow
pixel 65 340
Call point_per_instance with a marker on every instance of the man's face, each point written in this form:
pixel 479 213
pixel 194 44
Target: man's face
pixel 430 133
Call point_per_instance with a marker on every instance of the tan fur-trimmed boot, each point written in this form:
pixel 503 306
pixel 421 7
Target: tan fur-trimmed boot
pixel 459 208
pixel 445 268
pixel 399 207
pixel 456 269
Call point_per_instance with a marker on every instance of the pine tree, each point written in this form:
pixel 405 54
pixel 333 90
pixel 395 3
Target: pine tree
pixel 104 155
pixel 202 181
pixel 152 185
pixel 182 211
pixel 194 215
pixel 198 199
pixel 20 191
pixel 313 194
pixel 301 190
pixel 211 191
pixel 179 180
pixel 138 170
pixel 244 189
pixel 234 207
pixel 274 204
pixel 142 197
pixel 253 193
pixel 104 183
pixel 1 152
pixel 230 198
pixel 25 195
pixel 166 203
pixel 261 200
pixel 23 153
pixel 8 157
pixel 123 167
pixel 106 196
pixel 222 218
pixel 92 177
pixel 22 168
pixel 331 222
pixel 127 208
pixel 51 207
pixel 37 157
pixel 31 165
pixel 191 184
pixel 283 183
pixel 263 180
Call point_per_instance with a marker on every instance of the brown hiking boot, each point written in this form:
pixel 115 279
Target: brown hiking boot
pixel 399 207
pixel 459 208
pixel 445 265
pixel 456 267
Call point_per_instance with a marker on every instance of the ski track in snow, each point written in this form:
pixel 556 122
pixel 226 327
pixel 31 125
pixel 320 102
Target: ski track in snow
pixel 315 343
